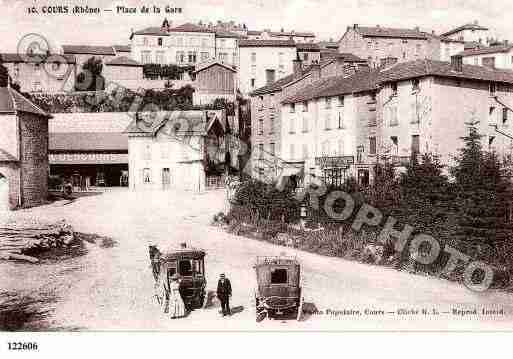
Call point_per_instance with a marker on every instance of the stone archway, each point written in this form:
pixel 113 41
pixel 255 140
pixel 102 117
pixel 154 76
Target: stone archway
pixel 4 193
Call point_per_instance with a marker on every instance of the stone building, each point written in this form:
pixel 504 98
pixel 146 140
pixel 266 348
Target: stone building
pixel 23 151
pixel 499 56
pixel 181 150
pixel 376 43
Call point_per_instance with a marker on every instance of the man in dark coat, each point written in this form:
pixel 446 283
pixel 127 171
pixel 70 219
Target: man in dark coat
pixel 224 292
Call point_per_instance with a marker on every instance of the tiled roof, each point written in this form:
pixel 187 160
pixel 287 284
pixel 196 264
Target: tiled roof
pixel 190 27
pixel 275 86
pixel 328 45
pixel 206 64
pixel 330 56
pixel 89 122
pixel 379 31
pixel 290 33
pixel 254 32
pixel 267 43
pixel 486 50
pixel 88 141
pixel 364 80
pixel 465 27
pixel 308 47
pixel 122 48
pixel 12 101
pixel 226 34
pixel 123 61
pixel 16 58
pixel 86 49
pixel 421 68
pixel 152 30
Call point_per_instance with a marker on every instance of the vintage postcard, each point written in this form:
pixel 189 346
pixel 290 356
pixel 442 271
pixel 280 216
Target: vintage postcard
pixel 290 165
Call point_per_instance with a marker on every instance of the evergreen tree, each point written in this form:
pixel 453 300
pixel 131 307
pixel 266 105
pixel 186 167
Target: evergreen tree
pixel 484 195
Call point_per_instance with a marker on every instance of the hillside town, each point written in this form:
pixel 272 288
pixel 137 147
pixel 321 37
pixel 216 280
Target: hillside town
pixel 220 136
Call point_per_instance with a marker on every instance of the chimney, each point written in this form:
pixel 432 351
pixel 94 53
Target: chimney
pixel 297 66
pixel 457 63
pixel 315 70
pixel 387 62
pixel 355 26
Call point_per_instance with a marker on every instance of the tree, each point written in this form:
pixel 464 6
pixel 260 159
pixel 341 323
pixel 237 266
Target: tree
pixel 91 79
pixel 484 195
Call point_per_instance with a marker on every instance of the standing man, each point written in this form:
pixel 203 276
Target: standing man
pixel 224 292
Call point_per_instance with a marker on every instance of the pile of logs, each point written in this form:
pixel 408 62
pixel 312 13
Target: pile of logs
pixel 24 240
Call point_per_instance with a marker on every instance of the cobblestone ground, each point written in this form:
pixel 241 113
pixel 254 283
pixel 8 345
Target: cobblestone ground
pixel 111 288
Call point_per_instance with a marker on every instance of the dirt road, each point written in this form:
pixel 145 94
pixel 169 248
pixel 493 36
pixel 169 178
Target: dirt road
pixel 111 288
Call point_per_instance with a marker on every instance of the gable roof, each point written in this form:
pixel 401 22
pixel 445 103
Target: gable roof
pixel 379 31
pixel 17 58
pixel 226 34
pixel 152 30
pixel 465 27
pixel 486 50
pixel 267 43
pixel 190 27
pixel 123 61
pixel 7 157
pixel 87 49
pixel 11 101
pixel 148 123
pixel 426 67
pixel 292 33
pixel 273 87
pixel 206 64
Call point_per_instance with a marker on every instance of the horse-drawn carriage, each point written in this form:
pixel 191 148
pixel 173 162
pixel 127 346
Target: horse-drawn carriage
pixel 278 289
pixel 188 264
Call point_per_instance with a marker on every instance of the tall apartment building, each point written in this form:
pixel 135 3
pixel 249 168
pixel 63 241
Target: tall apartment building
pixel 263 62
pixel 186 44
pixel 377 43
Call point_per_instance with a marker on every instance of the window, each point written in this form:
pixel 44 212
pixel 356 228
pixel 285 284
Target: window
pixel 291 129
pixel 393 86
pixel 493 88
pixel 261 173
pixel 146 41
pixel 204 56
pixel 341 120
pixel 305 124
pixel 305 106
pixel 222 43
pixel 504 115
pixel 147 152
pixel 327 102
pixel 159 41
pixel 223 56
pixel 192 57
pixel 393 120
pixel 185 267
pixel 261 151
pixel 340 101
pixel 180 57
pixel 146 175
pixel 415 85
pixel 253 57
pixel 305 56
pixel 476 61
pixel 415 144
pixel 278 276
pixel 270 76
pixel 372 145
pixel 404 54
pixel 291 151
pixel 260 126
pixel 253 70
pixel 327 122
pixel 305 151
pixel 292 108
pixel 271 124
pixel 418 49
pixel 369 45
pixel 395 142
pixel 234 56
pixel 252 82
pixel 160 57
pixel 272 148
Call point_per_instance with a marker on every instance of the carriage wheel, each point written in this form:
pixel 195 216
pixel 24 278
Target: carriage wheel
pixel 300 309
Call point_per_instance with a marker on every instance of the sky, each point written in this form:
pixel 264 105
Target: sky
pixel 327 18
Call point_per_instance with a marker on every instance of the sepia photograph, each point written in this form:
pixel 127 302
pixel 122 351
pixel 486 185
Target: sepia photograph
pixel 261 166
